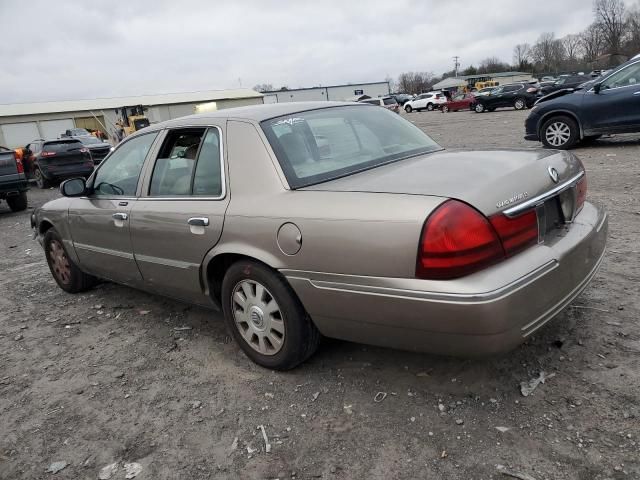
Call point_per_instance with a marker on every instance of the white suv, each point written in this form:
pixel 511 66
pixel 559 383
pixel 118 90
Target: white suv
pixel 427 101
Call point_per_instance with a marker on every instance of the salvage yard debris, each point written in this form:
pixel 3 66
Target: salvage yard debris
pixel 55 467
pixel 527 388
pixel 267 445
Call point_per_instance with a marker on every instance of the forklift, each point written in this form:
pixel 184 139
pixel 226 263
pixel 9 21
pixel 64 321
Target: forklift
pixel 132 119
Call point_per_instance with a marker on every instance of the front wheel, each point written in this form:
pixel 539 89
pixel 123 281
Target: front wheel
pixel 408 109
pixel 479 108
pixel 445 109
pixel 66 273
pixel 266 318
pixel 18 203
pixel 41 181
pixel 430 107
pixel 560 132
pixel 520 104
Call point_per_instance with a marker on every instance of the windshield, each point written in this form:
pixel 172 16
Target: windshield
pixel 320 145
pixel 89 140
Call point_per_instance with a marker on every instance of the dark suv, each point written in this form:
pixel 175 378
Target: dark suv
pixel 48 161
pixel 611 105
pixel 516 95
pixel 568 81
pixel 13 183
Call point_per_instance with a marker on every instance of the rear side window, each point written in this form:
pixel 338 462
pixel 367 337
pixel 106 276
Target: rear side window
pixel 373 101
pixel 62 146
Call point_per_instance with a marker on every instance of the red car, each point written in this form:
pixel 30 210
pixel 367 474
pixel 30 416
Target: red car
pixel 462 101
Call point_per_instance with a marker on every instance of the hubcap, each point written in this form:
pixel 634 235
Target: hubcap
pixel 519 104
pixel 59 262
pixel 479 108
pixel 558 134
pixel 258 317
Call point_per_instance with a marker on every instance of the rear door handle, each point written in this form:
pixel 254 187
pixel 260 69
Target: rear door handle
pixel 120 216
pixel 198 222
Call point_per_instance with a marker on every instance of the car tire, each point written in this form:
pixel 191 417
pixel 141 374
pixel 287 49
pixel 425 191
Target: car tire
pixel 429 107
pixel 520 104
pixel 41 181
pixel 66 273
pixel 408 108
pixel 18 203
pixel 479 108
pixel 280 340
pixel 559 132
pixel 445 109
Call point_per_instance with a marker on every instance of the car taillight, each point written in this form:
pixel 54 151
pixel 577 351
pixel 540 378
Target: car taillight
pixel 458 240
pixel 516 233
pixel 19 165
pixel 581 193
pixel 47 154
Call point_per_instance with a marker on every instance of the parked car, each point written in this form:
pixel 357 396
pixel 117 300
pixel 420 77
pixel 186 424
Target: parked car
pixel 97 148
pixel 516 95
pixel 463 101
pixel 425 101
pixel 402 98
pixel 568 81
pixel 324 218
pixel 76 132
pixel 387 102
pixel 13 182
pixel 48 161
pixel 610 105
pixel 484 91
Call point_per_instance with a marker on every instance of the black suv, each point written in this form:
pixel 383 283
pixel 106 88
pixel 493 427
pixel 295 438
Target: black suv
pixel 568 81
pixel 611 105
pixel 48 161
pixel 516 95
pixel 13 183
pixel 97 148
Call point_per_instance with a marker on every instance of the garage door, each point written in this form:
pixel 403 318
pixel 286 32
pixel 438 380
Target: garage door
pixel 52 129
pixel 19 134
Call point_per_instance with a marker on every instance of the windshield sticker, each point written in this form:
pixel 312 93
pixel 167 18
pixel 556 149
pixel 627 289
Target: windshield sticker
pixel 289 121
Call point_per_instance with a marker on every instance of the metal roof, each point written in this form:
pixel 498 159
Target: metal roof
pixel 322 87
pixel 494 75
pixel 117 102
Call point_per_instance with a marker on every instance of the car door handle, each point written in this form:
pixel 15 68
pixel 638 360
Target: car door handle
pixel 198 222
pixel 637 93
pixel 120 216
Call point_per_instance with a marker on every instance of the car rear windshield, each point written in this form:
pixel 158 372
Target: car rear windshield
pixel 89 140
pixel 320 145
pixel 62 146
pixel 389 101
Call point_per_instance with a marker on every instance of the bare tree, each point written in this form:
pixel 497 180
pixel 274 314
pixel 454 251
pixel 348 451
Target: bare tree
pixel 572 47
pixel 491 65
pixel 610 16
pixel 263 87
pixel 521 55
pixel 632 45
pixel 415 82
pixel 548 52
pixel 592 42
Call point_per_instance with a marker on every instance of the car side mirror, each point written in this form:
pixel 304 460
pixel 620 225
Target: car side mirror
pixel 596 87
pixel 74 187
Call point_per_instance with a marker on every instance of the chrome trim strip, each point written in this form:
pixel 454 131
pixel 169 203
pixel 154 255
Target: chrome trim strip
pixel 513 211
pixel 166 262
pixel 104 251
pixel 444 297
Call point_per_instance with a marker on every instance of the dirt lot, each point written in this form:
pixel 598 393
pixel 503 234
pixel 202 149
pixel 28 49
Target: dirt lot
pixel 116 375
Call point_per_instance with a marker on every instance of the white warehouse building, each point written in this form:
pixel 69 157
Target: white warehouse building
pixel 333 92
pixel 21 123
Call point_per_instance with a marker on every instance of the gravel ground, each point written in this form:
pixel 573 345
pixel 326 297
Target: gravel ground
pixel 119 376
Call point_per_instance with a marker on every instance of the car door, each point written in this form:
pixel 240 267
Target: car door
pixel 180 215
pixel 616 106
pixel 494 98
pixel 99 222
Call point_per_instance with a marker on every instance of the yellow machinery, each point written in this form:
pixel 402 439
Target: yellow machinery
pixel 488 83
pixel 132 119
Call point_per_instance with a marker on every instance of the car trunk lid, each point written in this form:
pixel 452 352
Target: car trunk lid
pixel 490 180
pixel 64 152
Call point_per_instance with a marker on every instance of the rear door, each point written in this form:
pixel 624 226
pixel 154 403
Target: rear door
pixel 616 108
pixel 180 215
pixel 99 223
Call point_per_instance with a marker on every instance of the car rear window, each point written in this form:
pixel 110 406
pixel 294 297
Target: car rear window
pixel 63 146
pixel 320 145
pixel 389 101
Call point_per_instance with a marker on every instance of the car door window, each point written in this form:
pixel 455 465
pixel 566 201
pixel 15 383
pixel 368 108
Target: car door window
pixel 207 180
pixel 628 76
pixel 119 174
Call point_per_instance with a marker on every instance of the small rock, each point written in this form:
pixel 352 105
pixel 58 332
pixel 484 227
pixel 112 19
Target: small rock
pixel 315 396
pixel 55 467
pixel 144 312
pixel 503 429
pixel 268 395
pixel 413 419
pixel 118 375
pixel 132 469
pixel 196 404
pixel 18 337
pixel 107 471
pixel 459 421
pixel 333 469
pixel 441 407
pixel 348 409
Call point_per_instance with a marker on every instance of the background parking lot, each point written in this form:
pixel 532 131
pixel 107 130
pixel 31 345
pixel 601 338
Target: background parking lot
pixel 116 375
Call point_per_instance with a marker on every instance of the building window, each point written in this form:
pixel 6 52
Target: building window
pixel 358 92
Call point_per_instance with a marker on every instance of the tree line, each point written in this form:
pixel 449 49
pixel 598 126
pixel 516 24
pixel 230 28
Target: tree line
pixel 613 37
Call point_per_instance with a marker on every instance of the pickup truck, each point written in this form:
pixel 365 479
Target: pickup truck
pixel 13 182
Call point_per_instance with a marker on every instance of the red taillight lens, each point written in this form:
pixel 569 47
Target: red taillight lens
pixel 19 165
pixel 581 192
pixel 516 233
pixel 47 154
pixel 456 241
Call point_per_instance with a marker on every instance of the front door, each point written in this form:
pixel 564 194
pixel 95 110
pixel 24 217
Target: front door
pixel 180 215
pixel 99 223
pixel 616 108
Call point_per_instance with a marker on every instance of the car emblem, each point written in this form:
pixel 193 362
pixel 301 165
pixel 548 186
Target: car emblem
pixel 553 173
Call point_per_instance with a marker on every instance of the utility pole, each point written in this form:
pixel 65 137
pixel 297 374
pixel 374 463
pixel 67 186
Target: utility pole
pixel 456 64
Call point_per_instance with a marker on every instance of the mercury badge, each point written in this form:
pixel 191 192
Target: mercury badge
pixel 553 173
pixel 516 198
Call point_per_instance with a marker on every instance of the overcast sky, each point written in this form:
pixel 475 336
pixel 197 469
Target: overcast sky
pixel 52 50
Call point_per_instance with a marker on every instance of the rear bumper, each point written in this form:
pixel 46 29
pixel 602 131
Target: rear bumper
pixel 13 186
pixel 485 313
pixel 60 173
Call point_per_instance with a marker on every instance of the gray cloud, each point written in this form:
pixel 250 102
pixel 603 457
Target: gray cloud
pixel 72 49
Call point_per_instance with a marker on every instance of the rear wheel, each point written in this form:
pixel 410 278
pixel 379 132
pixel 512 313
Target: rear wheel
pixel 266 318
pixel 408 108
pixel 41 182
pixel 18 203
pixel 520 104
pixel 66 273
pixel 445 109
pixel 429 106
pixel 560 132
pixel 479 108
